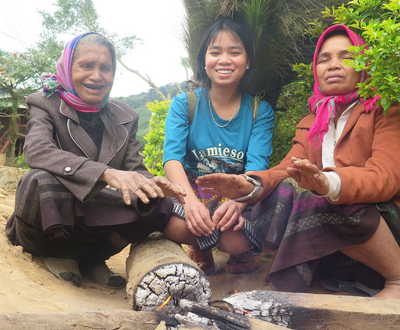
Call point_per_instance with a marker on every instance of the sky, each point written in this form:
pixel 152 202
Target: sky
pixel 157 22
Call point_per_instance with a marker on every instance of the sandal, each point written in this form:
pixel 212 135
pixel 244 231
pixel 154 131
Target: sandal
pixel 66 269
pixel 103 275
pixel 243 263
pixel 203 259
pixel 336 285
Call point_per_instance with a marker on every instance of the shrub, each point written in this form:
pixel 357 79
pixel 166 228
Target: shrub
pixel 154 149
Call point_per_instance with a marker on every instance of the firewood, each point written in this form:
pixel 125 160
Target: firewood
pixel 122 320
pixel 227 320
pixel 319 311
pixel 158 268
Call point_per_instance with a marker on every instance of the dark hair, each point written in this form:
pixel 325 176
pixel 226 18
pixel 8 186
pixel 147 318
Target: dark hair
pixel 337 33
pixel 100 40
pixel 240 31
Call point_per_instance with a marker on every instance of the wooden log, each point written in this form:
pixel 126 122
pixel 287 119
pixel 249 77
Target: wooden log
pixel 227 320
pixel 158 268
pixel 317 311
pixel 121 320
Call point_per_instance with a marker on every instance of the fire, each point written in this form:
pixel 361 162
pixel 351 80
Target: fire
pixel 248 314
pixel 165 302
pixel 241 309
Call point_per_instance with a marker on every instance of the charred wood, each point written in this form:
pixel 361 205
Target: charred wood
pixel 303 311
pixel 158 268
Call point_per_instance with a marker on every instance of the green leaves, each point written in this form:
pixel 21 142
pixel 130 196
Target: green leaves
pixel 154 149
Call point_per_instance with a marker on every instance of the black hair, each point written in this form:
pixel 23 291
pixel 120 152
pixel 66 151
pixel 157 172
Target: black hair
pixel 240 31
pixel 337 33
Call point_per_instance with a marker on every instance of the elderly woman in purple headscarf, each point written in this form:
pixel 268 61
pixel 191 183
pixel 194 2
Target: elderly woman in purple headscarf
pixel 333 202
pixel 88 194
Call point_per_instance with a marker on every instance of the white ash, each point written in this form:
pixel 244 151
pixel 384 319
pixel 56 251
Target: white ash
pixel 176 280
pixel 260 306
pixel 193 319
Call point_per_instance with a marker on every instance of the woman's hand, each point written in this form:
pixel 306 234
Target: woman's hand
pixel 198 218
pixel 227 185
pixel 228 214
pixel 170 189
pixel 308 176
pixel 132 181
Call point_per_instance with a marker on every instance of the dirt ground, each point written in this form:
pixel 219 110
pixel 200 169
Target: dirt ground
pixel 27 286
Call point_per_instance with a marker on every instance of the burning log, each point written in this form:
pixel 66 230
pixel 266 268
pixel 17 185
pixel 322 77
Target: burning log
pixel 227 320
pixel 319 311
pixel 157 269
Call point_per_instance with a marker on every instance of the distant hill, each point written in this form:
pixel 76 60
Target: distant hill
pixel 138 103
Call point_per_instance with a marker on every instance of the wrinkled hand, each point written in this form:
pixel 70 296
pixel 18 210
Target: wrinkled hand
pixel 135 182
pixel 308 176
pixel 228 214
pixel 227 185
pixel 170 189
pixel 198 218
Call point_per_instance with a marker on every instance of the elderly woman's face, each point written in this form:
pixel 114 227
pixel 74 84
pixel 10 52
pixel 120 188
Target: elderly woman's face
pixel 92 73
pixel 333 77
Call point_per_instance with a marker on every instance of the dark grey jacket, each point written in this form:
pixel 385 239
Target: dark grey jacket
pixel 58 144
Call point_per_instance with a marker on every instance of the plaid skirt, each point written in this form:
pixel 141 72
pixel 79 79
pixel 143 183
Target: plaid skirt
pixel 304 228
pixel 212 202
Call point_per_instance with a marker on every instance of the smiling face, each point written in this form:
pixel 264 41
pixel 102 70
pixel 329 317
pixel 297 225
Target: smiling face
pixel 226 60
pixel 92 72
pixel 333 76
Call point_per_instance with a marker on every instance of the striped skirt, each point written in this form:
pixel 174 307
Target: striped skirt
pixel 212 202
pixel 306 229
pixel 47 217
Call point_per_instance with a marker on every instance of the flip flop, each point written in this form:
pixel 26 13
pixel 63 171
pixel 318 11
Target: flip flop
pixel 66 269
pixel 361 290
pixel 103 275
pixel 333 284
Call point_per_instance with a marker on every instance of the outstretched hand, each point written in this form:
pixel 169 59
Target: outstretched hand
pixel 170 189
pixel 227 185
pixel 141 186
pixel 308 176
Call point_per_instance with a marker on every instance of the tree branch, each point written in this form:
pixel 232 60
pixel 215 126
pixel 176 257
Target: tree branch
pixel 148 80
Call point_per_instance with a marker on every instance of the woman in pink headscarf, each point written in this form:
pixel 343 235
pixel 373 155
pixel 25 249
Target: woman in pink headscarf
pixel 333 201
pixel 80 145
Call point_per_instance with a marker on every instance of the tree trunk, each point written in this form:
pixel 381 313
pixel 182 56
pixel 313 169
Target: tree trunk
pixel 158 268
pixel 13 127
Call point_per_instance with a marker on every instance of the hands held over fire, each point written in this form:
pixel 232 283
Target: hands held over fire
pixel 308 176
pixel 141 186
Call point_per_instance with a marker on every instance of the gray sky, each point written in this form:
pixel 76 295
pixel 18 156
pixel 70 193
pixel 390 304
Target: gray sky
pixel 157 22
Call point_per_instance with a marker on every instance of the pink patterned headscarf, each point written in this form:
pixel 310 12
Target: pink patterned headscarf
pixel 62 82
pixel 324 105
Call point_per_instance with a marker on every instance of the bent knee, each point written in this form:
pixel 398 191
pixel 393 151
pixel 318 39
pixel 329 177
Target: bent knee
pixel 234 242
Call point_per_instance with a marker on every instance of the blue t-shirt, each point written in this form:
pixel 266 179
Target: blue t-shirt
pixel 203 146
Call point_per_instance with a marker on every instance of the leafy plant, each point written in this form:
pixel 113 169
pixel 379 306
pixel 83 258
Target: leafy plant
pixel 154 149
pixel 20 162
pixel 294 98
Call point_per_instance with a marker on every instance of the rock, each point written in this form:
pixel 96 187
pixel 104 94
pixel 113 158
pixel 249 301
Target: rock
pixel 10 176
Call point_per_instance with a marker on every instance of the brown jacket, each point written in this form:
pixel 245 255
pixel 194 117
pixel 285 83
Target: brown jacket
pixel 58 144
pixel 366 156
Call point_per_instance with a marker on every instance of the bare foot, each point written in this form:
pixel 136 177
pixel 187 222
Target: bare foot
pixel 391 290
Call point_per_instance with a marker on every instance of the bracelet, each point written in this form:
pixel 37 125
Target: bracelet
pixel 258 187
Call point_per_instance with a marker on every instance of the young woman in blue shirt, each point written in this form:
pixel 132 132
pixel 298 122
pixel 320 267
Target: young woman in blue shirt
pixel 226 134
